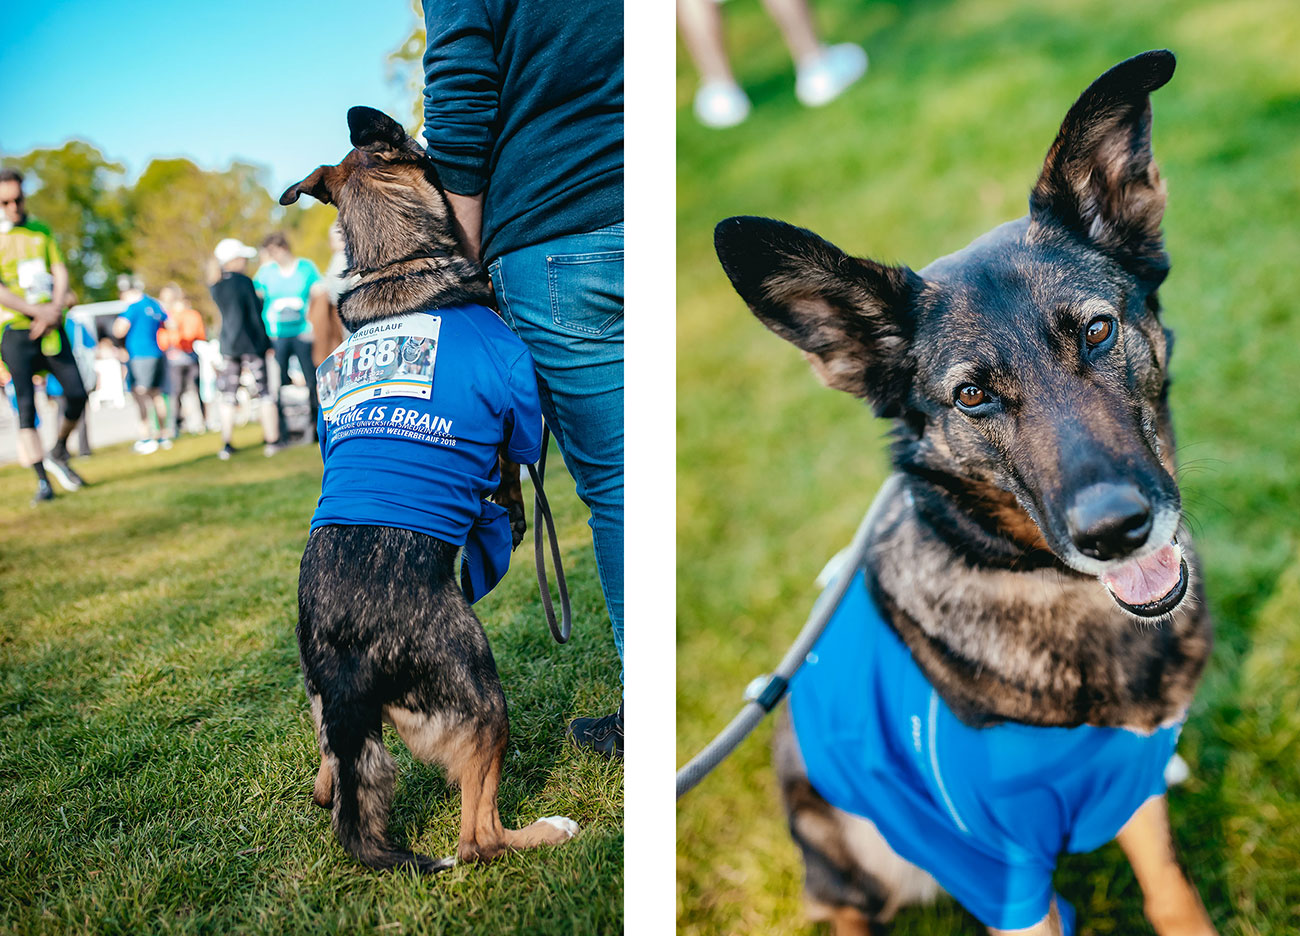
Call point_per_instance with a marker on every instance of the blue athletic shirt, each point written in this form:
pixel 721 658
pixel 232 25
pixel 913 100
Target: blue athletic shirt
pixel 429 465
pixel 146 318
pixel 986 811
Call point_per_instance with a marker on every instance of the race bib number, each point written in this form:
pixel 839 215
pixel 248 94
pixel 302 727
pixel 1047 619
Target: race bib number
pixel 35 280
pixel 287 309
pixel 392 358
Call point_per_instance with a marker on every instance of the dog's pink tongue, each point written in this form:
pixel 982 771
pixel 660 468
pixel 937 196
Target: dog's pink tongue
pixel 1148 579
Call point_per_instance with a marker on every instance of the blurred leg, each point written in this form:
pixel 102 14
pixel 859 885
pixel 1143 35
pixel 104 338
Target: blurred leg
pixel 256 365
pixel 302 350
pixel 177 369
pixel 794 19
pixel 64 368
pixel 700 23
pixel 283 352
pixel 18 352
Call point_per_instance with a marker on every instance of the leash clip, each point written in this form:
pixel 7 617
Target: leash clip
pixel 767 690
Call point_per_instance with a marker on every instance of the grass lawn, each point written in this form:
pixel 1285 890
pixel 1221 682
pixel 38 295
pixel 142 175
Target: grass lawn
pixel 940 142
pixel 156 751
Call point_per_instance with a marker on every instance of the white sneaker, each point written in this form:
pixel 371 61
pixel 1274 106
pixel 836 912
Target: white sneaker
pixel 165 443
pixel 69 479
pixel 822 79
pixel 145 447
pixel 720 104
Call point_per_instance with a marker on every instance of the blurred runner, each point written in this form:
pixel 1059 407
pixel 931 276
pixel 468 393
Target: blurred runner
pixel 139 326
pixel 288 286
pixel 184 327
pixel 33 294
pixel 244 343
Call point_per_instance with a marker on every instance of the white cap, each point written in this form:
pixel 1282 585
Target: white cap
pixel 230 248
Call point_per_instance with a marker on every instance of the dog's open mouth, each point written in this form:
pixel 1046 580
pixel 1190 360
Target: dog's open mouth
pixel 1151 586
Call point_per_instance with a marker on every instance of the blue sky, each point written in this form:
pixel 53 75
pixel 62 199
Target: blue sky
pixel 265 82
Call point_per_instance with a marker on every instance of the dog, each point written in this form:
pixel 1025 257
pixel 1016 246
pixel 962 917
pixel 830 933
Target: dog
pixel 1008 672
pixel 385 632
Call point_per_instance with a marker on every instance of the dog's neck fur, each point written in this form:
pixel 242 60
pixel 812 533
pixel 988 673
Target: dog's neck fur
pixel 413 285
pixel 1029 642
pixel 406 252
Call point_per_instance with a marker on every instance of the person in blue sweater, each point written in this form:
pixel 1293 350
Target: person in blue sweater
pixel 523 111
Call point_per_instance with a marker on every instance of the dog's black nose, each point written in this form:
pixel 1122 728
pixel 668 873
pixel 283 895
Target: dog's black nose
pixel 1109 521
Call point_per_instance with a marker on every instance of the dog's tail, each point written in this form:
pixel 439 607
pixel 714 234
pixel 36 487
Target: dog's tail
pixel 364 774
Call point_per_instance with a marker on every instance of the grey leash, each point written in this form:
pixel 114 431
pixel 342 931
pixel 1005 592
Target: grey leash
pixel 542 513
pixel 775 687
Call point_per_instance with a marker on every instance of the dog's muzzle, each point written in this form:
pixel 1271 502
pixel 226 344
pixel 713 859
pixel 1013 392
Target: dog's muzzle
pixel 1151 586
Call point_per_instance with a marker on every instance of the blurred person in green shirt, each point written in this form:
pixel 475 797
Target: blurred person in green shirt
pixel 33 295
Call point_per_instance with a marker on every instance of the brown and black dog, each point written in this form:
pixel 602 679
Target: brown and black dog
pixel 384 630
pixel 1033 560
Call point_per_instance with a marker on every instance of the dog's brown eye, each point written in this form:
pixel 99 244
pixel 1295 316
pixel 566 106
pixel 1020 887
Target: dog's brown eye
pixel 971 395
pixel 1098 330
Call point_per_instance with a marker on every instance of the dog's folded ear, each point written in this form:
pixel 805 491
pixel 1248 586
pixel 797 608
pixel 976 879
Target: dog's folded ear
pixel 317 185
pixel 1100 179
pixel 851 317
pixel 373 130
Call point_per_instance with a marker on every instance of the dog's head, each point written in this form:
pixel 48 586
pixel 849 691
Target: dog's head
pixel 404 248
pixel 1028 371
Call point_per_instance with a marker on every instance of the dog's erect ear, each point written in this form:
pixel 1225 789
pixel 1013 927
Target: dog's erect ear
pixel 374 130
pixel 316 185
pixel 852 318
pixel 1100 179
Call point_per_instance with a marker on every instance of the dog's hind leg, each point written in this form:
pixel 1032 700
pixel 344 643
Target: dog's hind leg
pixel 472 749
pixel 364 774
pixel 549 830
pixel 322 793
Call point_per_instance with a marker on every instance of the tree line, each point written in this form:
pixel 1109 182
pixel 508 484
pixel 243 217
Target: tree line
pixel 163 226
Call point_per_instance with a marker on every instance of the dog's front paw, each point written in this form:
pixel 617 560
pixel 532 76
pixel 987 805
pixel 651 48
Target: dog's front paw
pixel 510 495
pixel 518 522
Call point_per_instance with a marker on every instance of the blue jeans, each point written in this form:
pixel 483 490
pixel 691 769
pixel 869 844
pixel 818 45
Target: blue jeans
pixel 564 299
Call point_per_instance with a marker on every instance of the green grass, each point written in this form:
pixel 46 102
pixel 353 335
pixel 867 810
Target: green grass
pixel 156 751
pixel 940 142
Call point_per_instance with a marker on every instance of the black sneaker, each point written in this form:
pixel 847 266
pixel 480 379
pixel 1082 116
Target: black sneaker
pixel 603 735
pixel 43 492
pixel 226 451
pixel 56 463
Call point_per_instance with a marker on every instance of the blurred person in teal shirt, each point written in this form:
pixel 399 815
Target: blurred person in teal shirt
pixel 289 286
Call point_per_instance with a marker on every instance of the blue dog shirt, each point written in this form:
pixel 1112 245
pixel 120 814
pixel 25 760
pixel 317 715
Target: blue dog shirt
pixel 986 811
pixel 413 411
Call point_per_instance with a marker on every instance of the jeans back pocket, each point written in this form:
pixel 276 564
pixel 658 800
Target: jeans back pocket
pixel 587 291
